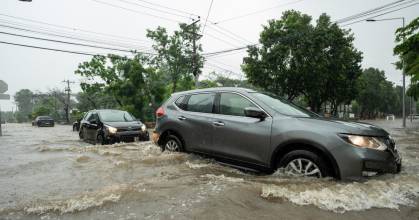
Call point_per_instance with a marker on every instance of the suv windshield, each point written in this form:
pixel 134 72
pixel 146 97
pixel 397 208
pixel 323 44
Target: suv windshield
pixel 284 107
pixel 115 116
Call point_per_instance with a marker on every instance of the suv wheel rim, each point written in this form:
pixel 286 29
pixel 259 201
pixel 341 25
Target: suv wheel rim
pixel 303 167
pixel 172 145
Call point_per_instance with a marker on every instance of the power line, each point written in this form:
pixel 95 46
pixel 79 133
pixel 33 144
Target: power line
pixel 388 12
pixel 154 9
pixel 206 19
pixel 59 35
pixel 72 28
pixel 173 9
pixel 237 37
pixel 225 51
pixel 136 11
pixel 51 49
pixel 375 11
pixel 257 12
pixel 355 16
pixel 66 42
pixel 217 38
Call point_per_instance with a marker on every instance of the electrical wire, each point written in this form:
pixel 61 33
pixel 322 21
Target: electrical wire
pixel 66 36
pixel 51 49
pixel 71 43
pixel 225 51
pixel 257 12
pixel 388 12
pixel 154 9
pixel 373 12
pixel 206 19
pixel 166 7
pixel 222 40
pixel 73 28
pixel 355 16
pixel 136 11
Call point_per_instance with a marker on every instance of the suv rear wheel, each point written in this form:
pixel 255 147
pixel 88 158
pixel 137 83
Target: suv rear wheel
pixel 304 163
pixel 172 143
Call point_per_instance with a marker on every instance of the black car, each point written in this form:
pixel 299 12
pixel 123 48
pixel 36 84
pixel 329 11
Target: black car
pixel 108 126
pixel 43 121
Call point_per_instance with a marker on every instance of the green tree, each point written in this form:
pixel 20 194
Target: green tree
pixel 377 94
pixel 408 50
pixel 296 58
pixel 128 80
pixel 23 99
pixel 175 55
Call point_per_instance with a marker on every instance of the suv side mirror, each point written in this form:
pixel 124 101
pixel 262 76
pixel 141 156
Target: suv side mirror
pixel 254 112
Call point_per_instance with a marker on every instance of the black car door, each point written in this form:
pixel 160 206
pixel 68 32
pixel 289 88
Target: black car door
pixel 91 126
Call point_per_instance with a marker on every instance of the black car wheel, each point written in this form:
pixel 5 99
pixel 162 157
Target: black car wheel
pixel 172 143
pixel 101 140
pixel 304 163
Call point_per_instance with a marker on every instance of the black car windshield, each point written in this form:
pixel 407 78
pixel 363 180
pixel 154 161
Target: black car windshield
pixel 44 118
pixel 284 107
pixel 115 116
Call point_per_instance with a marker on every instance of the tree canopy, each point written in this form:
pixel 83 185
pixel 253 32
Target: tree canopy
pixel 296 58
pixel 408 50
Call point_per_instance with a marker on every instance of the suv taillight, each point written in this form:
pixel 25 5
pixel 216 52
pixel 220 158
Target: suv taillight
pixel 160 112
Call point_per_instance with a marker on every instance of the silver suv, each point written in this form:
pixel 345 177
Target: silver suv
pixel 259 131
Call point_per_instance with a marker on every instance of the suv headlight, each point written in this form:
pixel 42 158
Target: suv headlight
pixel 111 130
pixel 143 127
pixel 365 141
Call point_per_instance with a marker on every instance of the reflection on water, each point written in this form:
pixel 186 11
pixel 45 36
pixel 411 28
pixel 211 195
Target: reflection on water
pixel 48 171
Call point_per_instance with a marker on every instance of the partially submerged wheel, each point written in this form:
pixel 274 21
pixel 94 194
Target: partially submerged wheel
pixel 101 140
pixel 302 163
pixel 172 144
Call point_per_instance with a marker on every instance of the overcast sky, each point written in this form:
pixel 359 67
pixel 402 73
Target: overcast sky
pixel 41 70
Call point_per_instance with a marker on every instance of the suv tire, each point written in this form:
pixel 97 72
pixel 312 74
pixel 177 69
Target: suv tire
pixel 304 163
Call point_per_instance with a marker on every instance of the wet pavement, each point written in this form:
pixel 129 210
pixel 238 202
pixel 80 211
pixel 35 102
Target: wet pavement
pixel 48 173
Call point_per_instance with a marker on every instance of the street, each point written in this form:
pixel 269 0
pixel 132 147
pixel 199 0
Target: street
pixel 48 173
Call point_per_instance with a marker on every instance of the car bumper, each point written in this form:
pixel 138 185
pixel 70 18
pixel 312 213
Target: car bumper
pixel 45 124
pixel 355 163
pixel 129 136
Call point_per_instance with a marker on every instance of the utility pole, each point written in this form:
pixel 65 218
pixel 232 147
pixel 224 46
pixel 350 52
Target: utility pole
pixel 194 49
pixel 67 104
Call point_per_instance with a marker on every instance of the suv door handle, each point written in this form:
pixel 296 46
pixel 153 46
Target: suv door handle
pixel 181 118
pixel 218 123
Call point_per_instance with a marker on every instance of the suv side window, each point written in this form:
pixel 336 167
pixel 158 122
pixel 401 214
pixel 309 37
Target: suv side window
pixel 201 102
pixel 233 104
pixel 180 102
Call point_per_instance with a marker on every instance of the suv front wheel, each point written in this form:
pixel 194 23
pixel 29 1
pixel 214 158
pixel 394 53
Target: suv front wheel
pixel 304 163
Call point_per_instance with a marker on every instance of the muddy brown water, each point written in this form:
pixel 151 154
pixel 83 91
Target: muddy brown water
pixel 48 173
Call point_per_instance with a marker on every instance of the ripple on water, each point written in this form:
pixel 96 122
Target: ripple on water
pixel 342 197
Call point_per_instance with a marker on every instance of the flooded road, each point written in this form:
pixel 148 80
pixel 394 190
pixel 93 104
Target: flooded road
pixel 47 173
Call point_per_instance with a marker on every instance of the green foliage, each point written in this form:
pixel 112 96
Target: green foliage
pixel 296 58
pixel 133 86
pixel 23 99
pixel 376 94
pixel 41 111
pixel 175 55
pixel 408 50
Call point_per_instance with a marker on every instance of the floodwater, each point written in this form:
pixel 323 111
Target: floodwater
pixel 48 173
